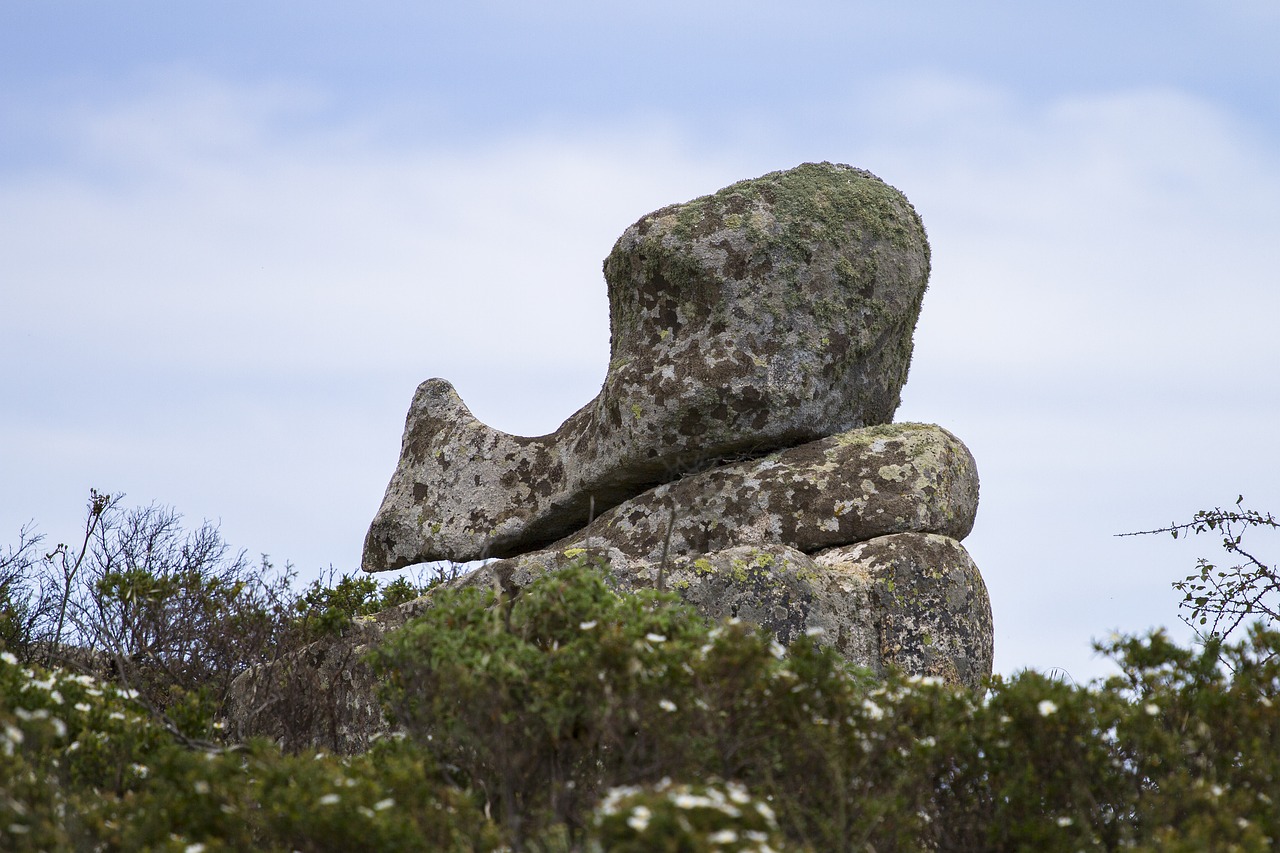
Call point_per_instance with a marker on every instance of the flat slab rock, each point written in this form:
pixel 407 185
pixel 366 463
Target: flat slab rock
pixel 774 312
pixel 868 482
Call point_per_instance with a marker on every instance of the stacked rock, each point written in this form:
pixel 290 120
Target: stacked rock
pixel 740 452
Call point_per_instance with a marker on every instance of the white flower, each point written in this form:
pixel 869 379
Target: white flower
pixel 587 626
pixel 1046 707
pixel 724 836
pixel 83 707
pixel 873 710
pixel 56 697
pixel 141 770
pixel 201 786
pixel 9 658
pixel 655 638
pixel 639 818
pixel 815 631
pixel 1151 708
pixel 1065 822
pixel 330 799
pixel 13 733
pixel 59 727
pixel 19 829
pixel 666 705
pixel 383 805
pixel 778 651
pixel 194 848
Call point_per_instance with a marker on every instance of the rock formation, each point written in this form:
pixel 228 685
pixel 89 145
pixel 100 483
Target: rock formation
pixel 772 313
pixel 740 452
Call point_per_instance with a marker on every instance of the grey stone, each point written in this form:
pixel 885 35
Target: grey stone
pixel 912 600
pixel 772 313
pixel 896 478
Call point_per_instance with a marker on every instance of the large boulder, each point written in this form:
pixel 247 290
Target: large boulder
pixel 772 313
pixel 911 600
pixel 896 478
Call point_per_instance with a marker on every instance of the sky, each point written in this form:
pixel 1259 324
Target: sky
pixel 235 236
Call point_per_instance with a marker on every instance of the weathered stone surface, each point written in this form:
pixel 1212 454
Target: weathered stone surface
pixel 896 478
pixel 775 312
pixel 913 600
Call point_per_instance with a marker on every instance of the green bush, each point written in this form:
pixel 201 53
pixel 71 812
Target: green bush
pixel 547 701
pixel 582 719
pixel 667 818
pixel 84 766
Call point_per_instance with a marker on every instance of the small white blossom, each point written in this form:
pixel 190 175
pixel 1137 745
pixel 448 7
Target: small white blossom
pixel 778 651
pixel 330 799
pixel 198 847
pixel 815 631
pixel 383 805
pixel 141 770
pixel 59 727
pixel 587 626
pixel 1047 707
pixel 201 786
pixel 1065 822
pixel 873 710
pixel 9 658
pixel 655 638
pixel 666 705
pixel 639 819
pixel 83 707
pixel 56 697
pixel 724 836
pixel 1151 708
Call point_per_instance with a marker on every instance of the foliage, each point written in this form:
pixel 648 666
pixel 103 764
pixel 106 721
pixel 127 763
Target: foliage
pixel 546 702
pixel 669 818
pixel 1219 599
pixel 170 612
pixel 83 765
pixel 583 719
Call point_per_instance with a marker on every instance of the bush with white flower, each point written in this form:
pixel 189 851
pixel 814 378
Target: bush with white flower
pixel 703 818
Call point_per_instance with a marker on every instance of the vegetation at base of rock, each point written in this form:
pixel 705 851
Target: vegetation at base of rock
pixel 574 718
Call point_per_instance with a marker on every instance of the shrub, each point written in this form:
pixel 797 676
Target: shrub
pixel 546 701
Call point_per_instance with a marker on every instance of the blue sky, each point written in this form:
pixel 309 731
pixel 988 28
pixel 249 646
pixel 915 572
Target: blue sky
pixel 235 236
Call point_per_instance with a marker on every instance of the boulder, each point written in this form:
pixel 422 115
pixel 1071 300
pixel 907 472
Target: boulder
pixel 911 600
pixel 914 601
pixel 772 313
pixel 896 478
